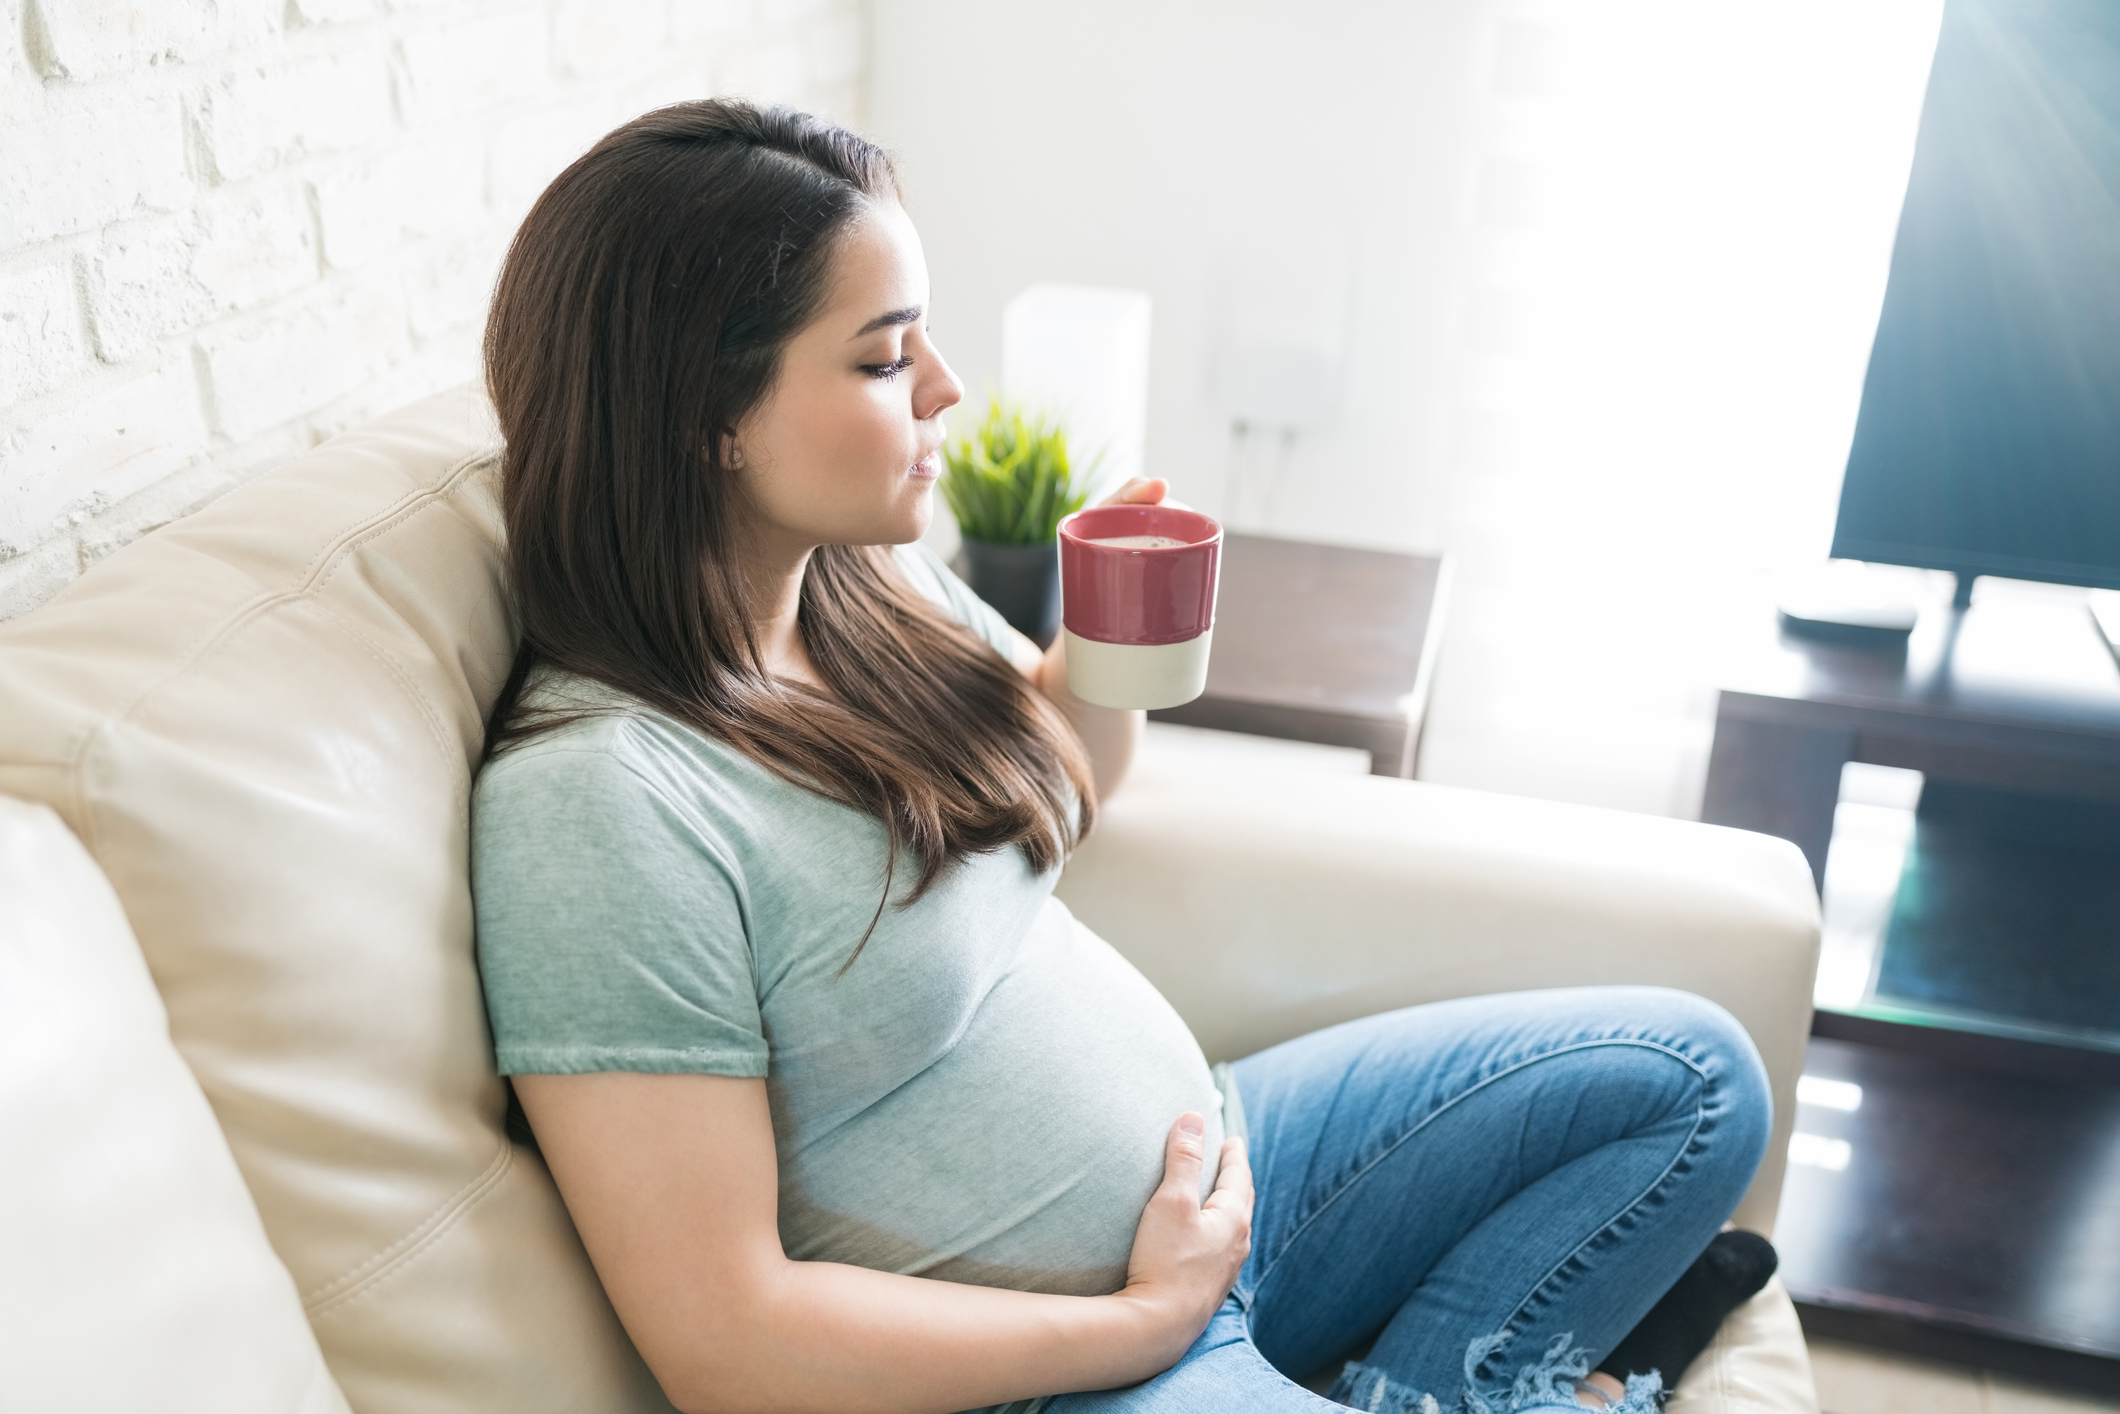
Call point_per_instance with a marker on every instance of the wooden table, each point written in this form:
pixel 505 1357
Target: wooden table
pixel 1323 643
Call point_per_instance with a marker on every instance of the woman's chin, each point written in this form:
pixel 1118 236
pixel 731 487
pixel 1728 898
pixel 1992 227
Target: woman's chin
pixel 898 530
pixel 918 516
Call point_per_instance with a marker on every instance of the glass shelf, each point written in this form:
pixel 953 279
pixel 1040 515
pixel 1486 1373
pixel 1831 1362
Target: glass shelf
pixel 1973 908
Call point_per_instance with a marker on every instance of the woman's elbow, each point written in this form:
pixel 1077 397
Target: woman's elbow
pixel 717 1386
pixel 719 1357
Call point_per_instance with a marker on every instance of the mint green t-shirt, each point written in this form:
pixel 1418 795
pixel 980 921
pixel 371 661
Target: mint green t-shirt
pixel 982 1096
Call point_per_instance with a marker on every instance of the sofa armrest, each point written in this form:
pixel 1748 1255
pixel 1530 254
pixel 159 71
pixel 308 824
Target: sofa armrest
pixel 1271 902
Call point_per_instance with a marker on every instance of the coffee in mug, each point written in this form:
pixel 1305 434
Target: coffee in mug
pixel 1137 592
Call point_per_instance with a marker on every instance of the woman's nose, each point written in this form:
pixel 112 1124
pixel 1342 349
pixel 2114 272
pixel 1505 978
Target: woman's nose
pixel 938 391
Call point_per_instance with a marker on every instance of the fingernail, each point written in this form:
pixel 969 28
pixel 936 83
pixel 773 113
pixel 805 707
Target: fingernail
pixel 1192 1124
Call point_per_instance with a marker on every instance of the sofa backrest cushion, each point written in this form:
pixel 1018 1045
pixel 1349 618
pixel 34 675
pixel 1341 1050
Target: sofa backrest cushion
pixel 125 1226
pixel 262 721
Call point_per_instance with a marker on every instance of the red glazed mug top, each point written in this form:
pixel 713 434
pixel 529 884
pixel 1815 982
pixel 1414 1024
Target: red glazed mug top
pixel 1139 594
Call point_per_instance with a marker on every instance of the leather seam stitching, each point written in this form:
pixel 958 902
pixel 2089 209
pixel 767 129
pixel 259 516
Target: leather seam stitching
pixel 325 560
pixel 436 727
pixel 317 570
pixel 353 1282
pixel 324 574
pixel 348 1285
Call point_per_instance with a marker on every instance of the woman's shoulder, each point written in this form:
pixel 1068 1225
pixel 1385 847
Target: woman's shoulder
pixel 598 748
pixel 589 736
pixel 571 715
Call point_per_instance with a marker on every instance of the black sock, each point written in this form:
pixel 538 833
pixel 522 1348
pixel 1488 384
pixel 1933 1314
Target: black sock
pixel 1679 1327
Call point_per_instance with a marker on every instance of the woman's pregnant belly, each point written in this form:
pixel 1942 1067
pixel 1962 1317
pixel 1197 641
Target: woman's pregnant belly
pixel 1023 1157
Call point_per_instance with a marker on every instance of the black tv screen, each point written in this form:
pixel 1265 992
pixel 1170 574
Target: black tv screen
pixel 1988 440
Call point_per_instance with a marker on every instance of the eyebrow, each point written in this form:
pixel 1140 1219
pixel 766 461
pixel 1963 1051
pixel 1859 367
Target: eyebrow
pixel 910 314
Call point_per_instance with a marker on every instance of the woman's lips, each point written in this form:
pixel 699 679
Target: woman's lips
pixel 928 467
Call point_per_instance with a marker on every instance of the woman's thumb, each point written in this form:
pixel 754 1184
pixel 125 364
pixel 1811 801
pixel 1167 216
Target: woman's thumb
pixel 1183 1153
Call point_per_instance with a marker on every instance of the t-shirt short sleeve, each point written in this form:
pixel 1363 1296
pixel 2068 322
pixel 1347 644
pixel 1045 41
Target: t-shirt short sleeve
pixel 928 574
pixel 610 925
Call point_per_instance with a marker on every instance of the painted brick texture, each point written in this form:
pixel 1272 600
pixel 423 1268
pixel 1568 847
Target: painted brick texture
pixel 230 229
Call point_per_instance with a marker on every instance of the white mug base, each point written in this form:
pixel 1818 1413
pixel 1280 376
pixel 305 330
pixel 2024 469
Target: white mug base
pixel 1126 675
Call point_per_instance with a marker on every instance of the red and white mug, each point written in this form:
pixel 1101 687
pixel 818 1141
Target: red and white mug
pixel 1137 592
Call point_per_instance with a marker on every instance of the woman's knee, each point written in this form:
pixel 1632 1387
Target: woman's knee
pixel 1737 1097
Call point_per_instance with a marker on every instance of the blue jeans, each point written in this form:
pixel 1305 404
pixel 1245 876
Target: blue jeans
pixel 1492 1191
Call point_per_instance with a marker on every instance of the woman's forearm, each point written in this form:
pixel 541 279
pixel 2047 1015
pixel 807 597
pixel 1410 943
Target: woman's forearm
pixel 672 1181
pixel 1108 734
pixel 827 1337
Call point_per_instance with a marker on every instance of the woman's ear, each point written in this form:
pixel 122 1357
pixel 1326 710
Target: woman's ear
pixel 731 452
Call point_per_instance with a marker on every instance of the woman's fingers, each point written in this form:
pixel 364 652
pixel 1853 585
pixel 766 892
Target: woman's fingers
pixel 1144 491
pixel 1186 1257
pixel 1139 491
pixel 1233 1186
pixel 1235 1170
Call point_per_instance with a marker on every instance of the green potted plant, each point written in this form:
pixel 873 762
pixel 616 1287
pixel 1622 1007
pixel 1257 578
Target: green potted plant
pixel 1010 483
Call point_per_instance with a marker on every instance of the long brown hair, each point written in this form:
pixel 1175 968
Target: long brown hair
pixel 640 315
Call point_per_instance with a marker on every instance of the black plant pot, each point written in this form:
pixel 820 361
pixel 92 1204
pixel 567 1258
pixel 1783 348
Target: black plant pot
pixel 1022 581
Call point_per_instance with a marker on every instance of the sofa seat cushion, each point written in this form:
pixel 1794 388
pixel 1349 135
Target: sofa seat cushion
pixel 262 721
pixel 1757 1363
pixel 137 1273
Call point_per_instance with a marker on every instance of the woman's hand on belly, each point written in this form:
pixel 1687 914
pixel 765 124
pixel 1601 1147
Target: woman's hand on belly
pixel 1187 1256
pixel 673 1183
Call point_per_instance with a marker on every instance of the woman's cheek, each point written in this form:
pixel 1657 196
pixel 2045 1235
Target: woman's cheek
pixel 886 445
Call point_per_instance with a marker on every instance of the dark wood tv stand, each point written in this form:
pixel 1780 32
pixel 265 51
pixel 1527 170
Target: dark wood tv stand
pixel 1973 1219
pixel 2017 693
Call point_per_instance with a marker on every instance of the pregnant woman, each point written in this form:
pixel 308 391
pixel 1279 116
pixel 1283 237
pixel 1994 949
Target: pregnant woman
pixel 851 1113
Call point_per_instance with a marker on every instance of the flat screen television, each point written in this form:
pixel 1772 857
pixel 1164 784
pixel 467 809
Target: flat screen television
pixel 1988 440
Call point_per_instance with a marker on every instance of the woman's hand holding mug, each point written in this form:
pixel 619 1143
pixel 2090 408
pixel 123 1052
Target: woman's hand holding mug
pixel 1138 573
pixel 1144 491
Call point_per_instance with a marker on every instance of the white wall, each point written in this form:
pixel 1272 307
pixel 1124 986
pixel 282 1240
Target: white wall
pixel 231 228
pixel 1256 166
pixel 1602 279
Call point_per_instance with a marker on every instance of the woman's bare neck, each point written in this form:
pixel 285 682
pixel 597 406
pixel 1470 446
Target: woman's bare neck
pixel 772 580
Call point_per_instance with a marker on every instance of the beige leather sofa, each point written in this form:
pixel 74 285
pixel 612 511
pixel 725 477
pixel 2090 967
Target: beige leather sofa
pixel 253 1147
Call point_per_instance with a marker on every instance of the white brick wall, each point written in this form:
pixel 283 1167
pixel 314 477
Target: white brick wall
pixel 232 228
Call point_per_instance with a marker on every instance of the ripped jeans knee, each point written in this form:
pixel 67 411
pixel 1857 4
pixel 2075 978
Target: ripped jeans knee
pixel 1549 1383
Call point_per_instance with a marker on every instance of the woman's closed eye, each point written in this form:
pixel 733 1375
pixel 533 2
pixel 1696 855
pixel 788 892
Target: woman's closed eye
pixel 888 370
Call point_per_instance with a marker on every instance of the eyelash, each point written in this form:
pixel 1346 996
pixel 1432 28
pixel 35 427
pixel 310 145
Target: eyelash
pixel 888 370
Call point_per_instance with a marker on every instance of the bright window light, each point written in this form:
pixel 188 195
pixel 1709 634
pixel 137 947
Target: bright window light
pixel 1828 1094
pixel 1818 1152
pixel 1671 249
